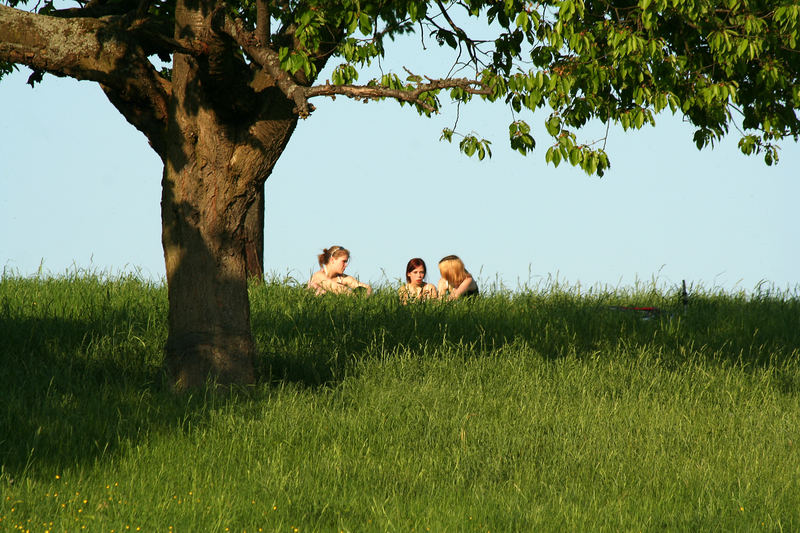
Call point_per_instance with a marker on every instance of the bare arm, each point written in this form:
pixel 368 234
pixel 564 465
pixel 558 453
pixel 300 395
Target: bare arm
pixel 464 287
pixel 353 283
pixel 442 288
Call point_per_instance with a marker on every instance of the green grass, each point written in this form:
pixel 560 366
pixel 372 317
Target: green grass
pixel 542 409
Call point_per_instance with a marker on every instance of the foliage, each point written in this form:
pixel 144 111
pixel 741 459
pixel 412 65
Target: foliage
pixel 516 411
pixel 6 68
pixel 720 64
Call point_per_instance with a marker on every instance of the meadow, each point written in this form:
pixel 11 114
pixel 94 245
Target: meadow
pixel 545 408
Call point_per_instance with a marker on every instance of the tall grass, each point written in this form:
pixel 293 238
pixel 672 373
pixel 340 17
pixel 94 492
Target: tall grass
pixel 548 408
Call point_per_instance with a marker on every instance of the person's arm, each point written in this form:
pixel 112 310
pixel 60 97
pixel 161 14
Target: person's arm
pixel 430 291
pixel 353 283
pixel 442 288
pixel 461 289
pixel 369 289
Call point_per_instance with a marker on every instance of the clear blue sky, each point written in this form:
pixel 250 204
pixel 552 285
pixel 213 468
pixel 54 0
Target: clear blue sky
pixel 80 188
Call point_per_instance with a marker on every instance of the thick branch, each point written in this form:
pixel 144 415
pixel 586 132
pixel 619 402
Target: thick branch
pixel 66 47
pixel 268 59
pixel 155 34
pixel 94 50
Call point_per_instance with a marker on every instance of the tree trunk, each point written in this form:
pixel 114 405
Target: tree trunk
pixel 254 237
pixel 203 208
pixel 217 160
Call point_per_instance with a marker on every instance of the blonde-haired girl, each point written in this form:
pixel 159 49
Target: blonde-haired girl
pixel 456 282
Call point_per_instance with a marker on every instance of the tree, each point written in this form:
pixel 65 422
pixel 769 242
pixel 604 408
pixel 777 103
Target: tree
pixel 232 78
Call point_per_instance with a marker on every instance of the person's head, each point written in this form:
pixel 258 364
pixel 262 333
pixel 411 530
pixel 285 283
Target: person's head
pixel 453 270
pixel 415 271
pixel 334 259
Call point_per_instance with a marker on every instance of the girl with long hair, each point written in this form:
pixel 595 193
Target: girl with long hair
pixel 456 282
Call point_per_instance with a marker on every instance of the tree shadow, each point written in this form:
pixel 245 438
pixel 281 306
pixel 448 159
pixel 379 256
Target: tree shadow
pixel 80 388
pixel 320 340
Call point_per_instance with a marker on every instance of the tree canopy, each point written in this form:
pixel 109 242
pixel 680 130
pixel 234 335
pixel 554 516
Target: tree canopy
pixel 721 64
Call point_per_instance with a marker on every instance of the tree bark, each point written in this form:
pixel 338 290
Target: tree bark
pixel 209 319
pixel 254 237
pixel 215 167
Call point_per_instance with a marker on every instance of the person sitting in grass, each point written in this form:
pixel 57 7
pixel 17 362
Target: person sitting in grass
pixel 331 277
pixel 456 282
pixel 415 289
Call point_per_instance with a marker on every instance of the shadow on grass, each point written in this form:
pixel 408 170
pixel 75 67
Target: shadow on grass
pixel 320 340
pixel 81 374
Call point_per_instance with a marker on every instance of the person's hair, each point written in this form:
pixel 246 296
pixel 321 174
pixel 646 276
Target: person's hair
pixel 453 270
pixel 412 265
pixel 330 253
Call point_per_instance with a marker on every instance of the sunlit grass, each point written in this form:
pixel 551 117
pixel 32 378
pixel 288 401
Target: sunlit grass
pixel 541 409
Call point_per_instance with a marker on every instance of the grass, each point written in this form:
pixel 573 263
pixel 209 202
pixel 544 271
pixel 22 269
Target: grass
pixel 540 409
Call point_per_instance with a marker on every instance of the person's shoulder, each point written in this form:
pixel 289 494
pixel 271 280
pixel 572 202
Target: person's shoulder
pixel 317 278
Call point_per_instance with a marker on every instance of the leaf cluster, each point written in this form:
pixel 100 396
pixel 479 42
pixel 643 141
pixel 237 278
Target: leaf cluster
pixel 720 64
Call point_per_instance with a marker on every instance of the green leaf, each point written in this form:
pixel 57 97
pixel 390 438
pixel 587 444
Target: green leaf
pixel 556 157
pixel 417 10
pixel 522 21
pixel 468 145
pixel 747 144
pixel 590 164
pixel 553 125
pixel 364 23
pixel 575 156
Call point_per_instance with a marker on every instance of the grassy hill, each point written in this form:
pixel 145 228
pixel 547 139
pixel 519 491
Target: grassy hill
pixel 542 409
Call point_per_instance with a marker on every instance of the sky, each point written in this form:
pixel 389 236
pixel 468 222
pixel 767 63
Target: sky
pixel 80 191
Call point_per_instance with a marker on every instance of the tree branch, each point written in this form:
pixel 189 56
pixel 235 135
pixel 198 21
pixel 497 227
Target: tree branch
pixel 268 59
pixel 132 15
pixel 95 9
pixel 262 22
pixel 89 49
pixel 154 37
pixel 376 92
pixel 462 35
